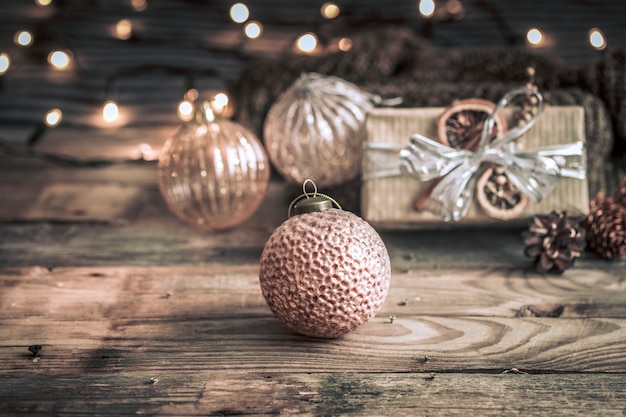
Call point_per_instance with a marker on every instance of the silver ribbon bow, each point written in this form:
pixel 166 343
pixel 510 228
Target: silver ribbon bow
pixel 533 172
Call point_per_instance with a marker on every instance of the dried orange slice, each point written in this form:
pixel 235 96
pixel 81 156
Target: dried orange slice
pixel 461 124
pixel 497 196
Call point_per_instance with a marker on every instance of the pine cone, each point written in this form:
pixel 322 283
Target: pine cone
pixel 555 241
pixel 605 226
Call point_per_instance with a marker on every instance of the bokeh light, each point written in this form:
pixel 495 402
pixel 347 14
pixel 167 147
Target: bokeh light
pixel 253 30
pixel 426 8
pixel 307 42
pixel 535 37
pixel 23 38
pixel 60 59
pixel 191 95
pixel 344 44
pixel 329 10
pixel 185 110
pixel 124 29
pixel 596 39
pixel 239 12
pixel 220 105
pixel 53 117
pixel 5 62
pixel 110 111
pixel 139 5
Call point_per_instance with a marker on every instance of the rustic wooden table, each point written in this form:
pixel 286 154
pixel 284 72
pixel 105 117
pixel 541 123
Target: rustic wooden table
pixel 137 313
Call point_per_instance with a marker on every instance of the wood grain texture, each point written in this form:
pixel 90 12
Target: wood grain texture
pixel 142 231
pixel 147 316
pixel 83 202
pixel 190 341
pixel 234 393
pixel 215 319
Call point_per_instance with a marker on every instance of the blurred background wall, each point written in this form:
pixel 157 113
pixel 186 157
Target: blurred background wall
pixel 145 55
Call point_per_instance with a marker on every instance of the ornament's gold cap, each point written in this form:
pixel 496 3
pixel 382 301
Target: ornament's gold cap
pixel 312 204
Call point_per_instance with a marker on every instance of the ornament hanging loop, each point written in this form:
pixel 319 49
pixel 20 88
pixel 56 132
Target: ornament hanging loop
pixel 304 184
pixel 308 202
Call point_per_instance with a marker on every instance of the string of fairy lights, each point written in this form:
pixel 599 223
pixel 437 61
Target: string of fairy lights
pixel 305 43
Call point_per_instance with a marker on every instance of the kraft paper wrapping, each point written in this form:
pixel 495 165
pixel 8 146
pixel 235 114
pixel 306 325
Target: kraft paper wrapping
pixel 388 202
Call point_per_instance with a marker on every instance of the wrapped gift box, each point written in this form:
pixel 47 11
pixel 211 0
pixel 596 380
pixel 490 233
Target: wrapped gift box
pixel 388 196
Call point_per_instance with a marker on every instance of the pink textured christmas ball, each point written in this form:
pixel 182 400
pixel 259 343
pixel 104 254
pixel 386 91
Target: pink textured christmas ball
pixel 325 273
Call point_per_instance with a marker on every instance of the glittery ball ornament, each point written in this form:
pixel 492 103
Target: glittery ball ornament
pixel 213 173
pixel 324 271
pixel 316 130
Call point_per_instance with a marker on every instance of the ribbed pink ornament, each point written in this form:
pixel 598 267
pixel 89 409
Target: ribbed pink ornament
pixel 316 130
pixel 325 273
pixel 213 173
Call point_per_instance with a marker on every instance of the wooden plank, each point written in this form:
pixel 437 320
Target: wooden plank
pixel 261 343
pixel 106 203
pixel 70 293
pixel 107 332
pixel 236 393
pixel 215 319
pixel 150 235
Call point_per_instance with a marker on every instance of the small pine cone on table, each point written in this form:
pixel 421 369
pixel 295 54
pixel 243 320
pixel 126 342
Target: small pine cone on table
pixel 554 241
pixel 606 228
